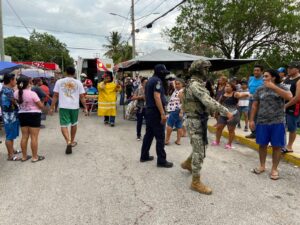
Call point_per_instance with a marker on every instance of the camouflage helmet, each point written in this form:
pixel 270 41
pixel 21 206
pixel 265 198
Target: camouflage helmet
pixel 199 66
pixel 294 64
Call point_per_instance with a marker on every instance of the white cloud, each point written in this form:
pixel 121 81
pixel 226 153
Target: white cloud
pixel 53 10
pixel 90 17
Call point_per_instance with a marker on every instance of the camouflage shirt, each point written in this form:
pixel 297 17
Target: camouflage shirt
pixel 197 99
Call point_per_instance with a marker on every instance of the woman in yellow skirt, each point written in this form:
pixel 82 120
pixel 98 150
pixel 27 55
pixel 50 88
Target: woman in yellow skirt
pixel 107 99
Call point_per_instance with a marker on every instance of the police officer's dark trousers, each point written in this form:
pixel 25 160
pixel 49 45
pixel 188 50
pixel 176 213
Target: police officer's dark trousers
pixel 154 128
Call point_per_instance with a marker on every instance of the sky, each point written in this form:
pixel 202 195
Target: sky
pixel 86 23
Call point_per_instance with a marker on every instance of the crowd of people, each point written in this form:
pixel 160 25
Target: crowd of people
pixel 25 103
pixel 268 102
pixel 22 104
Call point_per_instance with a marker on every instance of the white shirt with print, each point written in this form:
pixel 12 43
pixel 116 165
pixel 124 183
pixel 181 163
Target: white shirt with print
pixel 69 90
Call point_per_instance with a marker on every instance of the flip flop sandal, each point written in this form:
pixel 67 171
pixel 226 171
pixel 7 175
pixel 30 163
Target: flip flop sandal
pixel 17 151
pixel 257 171
pixel 74 144
pixel 285 150
pixel 27 158
pixel 40 158
pixel 14 158
pixel 69 149
pixel 177 143
pixel 274 176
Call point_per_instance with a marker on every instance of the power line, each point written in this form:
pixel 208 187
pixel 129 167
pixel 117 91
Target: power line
pixel 76 33
pixel 57 31
pixel 14 11
pixel 149 25
pixel 125 22
pixel 88 49
pixel 145 7
pixel 153 11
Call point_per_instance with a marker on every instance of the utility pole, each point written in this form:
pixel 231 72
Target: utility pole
pixel 133 29
pixel 1 35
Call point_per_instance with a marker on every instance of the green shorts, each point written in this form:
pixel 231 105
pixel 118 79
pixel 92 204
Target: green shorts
pixel 68 117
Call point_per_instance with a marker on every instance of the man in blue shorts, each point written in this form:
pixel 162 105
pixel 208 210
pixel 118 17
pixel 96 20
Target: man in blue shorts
pixel 268 105
pixel 10 114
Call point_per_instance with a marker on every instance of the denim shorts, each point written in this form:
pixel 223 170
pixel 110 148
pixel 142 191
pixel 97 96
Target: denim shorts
pixel 174 120
pixel 11 130
pixel 291 122
pixel 233 122
pixel 273 133
pixel 244 109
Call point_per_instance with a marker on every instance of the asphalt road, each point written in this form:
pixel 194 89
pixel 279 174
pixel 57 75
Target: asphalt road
pixel 103 182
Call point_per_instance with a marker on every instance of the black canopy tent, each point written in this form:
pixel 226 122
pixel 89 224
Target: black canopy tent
pixel 176 60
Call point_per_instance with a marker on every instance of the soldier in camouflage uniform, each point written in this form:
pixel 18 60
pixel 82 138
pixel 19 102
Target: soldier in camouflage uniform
pixel 197 105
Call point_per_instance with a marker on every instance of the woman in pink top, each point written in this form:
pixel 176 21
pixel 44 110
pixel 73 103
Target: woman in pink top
pixel 30 118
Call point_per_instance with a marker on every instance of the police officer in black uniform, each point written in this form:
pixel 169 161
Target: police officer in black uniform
pixel 156 117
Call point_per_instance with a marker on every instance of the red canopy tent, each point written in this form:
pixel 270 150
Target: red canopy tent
pixel 42 65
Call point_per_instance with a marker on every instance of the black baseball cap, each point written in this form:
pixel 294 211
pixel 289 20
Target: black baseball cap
pixel 161 69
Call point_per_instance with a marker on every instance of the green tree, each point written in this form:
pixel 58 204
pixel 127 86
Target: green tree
pixel 45 47
pixel 17 48
pixel 278 56
pixel 237 28
pixel 117 50
pixel 39 47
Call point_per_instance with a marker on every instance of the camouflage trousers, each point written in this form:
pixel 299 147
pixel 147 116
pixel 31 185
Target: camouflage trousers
pixel 195 132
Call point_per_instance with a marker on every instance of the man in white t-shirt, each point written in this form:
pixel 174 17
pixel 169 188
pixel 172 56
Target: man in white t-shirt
pixel 68 91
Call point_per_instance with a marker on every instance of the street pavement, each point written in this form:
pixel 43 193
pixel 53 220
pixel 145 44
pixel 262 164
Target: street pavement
pixel 104 183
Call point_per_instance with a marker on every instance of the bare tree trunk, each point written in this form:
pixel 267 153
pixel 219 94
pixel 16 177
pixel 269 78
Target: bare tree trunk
pixel 234 71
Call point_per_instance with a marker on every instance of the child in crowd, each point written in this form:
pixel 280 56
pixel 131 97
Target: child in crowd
pixel 175 112
pixel 244 104
pixel 90 90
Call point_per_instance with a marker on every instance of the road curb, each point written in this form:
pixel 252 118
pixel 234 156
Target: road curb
pixel 293 158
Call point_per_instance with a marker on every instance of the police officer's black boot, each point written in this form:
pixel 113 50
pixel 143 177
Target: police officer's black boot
pixel 165 165
pixel 148 159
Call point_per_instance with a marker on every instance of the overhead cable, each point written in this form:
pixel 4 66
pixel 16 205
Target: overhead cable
pixel 76 33
pixel 19 18
pixel 149 25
